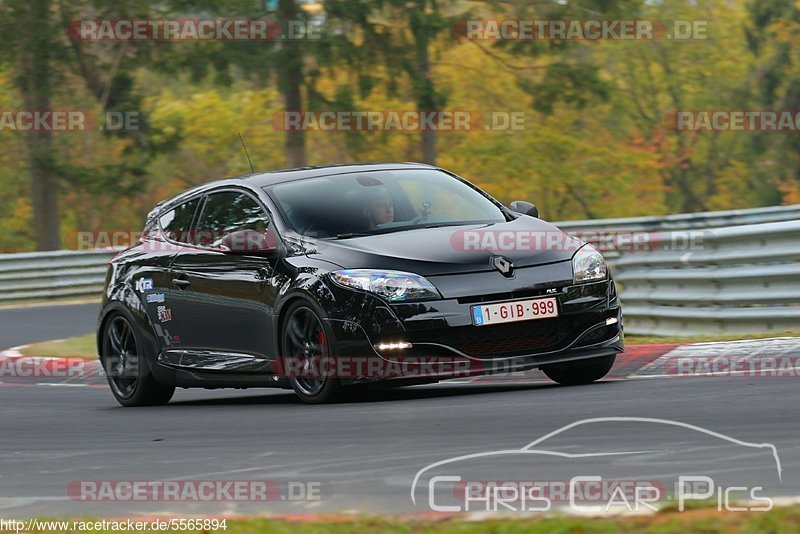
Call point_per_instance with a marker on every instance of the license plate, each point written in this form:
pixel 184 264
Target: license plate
pixel 518 310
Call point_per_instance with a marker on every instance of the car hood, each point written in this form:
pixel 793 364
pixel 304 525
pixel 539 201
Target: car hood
pixel 525 241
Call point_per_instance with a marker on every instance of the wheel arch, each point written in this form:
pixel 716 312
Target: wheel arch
pixel 139 320
pixel 286 304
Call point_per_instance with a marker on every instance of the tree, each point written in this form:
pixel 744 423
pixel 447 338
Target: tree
pixel 283 60
pixel 27 27
pixel 771 35
pixel 654 79
pixel 44 61
pixel 290 58
pixel 402 35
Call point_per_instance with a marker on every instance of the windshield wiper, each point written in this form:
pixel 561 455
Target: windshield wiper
pixel 383 231
pixel 352 234
pixel 443 224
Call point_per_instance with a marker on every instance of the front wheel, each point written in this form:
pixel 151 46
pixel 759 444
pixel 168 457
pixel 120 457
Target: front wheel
pixel 127 373
pixel 580 372
pixel 306 343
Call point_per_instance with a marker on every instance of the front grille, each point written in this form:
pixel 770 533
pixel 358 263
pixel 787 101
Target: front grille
pixel 511 339
pixel 509 295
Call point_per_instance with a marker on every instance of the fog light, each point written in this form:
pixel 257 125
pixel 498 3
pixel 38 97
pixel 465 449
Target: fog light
pixel 399 345
pixel 611 320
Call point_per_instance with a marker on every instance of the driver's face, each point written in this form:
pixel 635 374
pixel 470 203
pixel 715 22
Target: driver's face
pixel 381 211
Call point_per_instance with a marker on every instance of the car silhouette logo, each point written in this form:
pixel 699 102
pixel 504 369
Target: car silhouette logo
pixel 503 265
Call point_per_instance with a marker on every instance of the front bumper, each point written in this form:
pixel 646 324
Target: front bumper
pixel 589 325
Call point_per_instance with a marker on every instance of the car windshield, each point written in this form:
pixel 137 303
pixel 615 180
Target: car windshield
pixel 376 202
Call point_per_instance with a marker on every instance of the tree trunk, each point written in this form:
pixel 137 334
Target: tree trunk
pixel 429 147
pixel 44 192
pixel 291 82
pixel 423 85
pixel 35 85
pixel 295 140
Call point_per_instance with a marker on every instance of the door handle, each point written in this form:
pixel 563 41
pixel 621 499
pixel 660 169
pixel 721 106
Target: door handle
pixel 181 283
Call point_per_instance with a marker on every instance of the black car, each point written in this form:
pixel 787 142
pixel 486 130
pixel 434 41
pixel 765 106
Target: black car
pixel 325 279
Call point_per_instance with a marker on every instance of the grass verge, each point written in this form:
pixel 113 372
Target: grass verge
pixel 779 520
pixel 83 347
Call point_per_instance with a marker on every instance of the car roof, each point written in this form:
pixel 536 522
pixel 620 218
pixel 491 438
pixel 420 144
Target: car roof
pixel 264 179
pixel 288 175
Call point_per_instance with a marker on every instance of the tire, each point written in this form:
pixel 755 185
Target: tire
pixel 127 372
pixel 580 372
pixel 305 339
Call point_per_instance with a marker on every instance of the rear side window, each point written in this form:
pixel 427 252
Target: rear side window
pixel 226 212
pixel 177 222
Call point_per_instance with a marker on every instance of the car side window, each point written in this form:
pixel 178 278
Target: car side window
pixel 177 222
pixel 226 212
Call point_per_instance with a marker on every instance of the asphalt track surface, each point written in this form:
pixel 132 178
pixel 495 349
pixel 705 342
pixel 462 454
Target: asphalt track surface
pixel 39 323
pixel 363 455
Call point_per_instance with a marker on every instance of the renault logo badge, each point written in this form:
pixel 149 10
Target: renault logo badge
pixel 503 265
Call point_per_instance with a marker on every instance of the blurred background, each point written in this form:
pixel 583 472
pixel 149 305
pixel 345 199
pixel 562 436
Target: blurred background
pixel 596 141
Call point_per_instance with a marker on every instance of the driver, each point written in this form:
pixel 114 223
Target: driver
pixel 378 207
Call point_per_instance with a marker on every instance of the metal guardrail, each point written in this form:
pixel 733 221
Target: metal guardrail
pixel 742 279
pixel 33 276
pixel 687 221
pixel 742 276
pixel 608 232
pixel 745 277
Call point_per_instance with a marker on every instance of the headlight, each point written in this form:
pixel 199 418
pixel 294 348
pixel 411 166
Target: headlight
pixel 588 265
pixel 395 286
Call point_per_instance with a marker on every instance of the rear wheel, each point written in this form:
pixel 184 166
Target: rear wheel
pixel 127 373
pixel 580 372
pixel 306 343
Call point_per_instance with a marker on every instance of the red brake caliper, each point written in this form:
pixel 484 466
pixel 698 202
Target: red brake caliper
pixel 321 339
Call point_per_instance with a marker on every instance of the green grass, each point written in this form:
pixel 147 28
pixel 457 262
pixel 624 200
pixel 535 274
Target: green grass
pixel 74 347
pixel 778 520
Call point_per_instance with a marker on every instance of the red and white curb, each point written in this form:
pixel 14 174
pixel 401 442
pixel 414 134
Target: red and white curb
pixel 634 358
pixel 769 358
pixel 19 369
pixel 773 357
pixel 750 358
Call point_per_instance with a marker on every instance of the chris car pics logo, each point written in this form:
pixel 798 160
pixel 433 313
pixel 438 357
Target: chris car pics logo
pixel 460 483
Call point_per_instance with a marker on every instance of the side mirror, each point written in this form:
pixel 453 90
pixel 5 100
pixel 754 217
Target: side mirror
pixel 526 208
pixel 249 242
